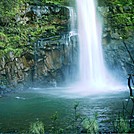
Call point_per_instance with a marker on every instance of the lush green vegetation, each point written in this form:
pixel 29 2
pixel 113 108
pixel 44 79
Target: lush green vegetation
pixel 36 128
pixel 114 2
pixel 75 125
pixel 15 33
pixel 120 18
pixel 18 29
pixel 79 124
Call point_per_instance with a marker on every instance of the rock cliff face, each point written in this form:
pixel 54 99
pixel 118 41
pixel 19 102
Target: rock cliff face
pixel 52 60
pixel 119 57
pixel 118 52
pixel 51 63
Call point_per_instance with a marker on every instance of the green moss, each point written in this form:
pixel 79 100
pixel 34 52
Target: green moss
pixel 120 17
pixel 15 36
pixel 115 2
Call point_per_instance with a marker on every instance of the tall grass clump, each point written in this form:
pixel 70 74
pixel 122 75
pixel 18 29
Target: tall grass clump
pixel 37 128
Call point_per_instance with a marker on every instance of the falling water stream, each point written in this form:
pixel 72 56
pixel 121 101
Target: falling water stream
pixel 93 73
pixel 92 68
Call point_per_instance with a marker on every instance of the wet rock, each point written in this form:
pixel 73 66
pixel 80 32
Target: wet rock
pixel 48 9
pixel 117 57
pixel 127 9
pixel 55 62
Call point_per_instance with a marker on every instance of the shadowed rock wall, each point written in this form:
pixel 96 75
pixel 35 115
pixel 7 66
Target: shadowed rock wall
pixel 118 39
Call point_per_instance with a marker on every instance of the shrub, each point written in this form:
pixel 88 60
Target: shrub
pixel 37 128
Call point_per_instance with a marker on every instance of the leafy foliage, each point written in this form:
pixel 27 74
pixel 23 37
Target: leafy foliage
pixel 120 17
pixel 90 125
pixel 37 128
pixel 115 2
pixel 15 35
pixel 74 125
pixel 17 30
pixel 121 125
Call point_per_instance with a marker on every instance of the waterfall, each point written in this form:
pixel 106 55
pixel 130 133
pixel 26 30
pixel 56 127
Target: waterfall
pixel 72 15
pixel 92 69
pixel 72 27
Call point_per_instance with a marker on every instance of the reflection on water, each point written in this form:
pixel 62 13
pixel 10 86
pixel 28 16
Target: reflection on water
pixel 18 110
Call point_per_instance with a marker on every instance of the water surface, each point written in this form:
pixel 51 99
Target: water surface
pixel 18 110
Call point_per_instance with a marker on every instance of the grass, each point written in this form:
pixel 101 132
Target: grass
pixel 37 128
pixel 79 124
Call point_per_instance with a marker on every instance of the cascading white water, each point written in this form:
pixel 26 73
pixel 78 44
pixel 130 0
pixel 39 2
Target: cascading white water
pixel 92 68
pixel 93 74
pixel 72 27
pixel 72 15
